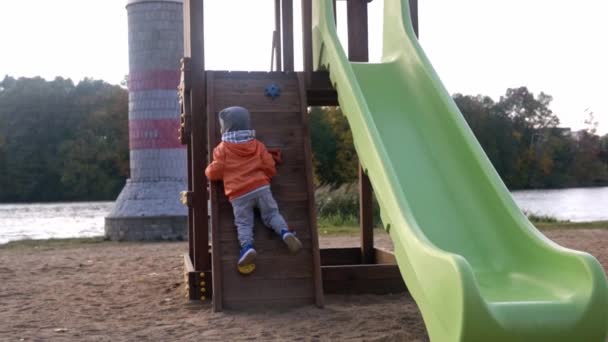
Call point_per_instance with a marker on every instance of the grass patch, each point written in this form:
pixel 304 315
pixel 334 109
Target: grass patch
pixel 542 218
pixel 571 225
pixel 53 243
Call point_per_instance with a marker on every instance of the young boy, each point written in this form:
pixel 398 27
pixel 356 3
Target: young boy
pixel 246 167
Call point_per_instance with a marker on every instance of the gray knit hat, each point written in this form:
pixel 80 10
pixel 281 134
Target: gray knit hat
pixel 234 119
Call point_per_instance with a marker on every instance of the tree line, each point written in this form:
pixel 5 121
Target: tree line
pixel 61 141
pixel 519 133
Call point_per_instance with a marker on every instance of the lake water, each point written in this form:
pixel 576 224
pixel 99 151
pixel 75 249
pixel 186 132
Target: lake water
pixel 62 220
pixel 55 220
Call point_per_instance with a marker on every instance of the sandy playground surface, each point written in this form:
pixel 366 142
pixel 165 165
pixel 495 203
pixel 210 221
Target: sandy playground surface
pixel 134 292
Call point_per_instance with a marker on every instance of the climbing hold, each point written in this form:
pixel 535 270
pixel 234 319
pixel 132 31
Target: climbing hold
pixel 246 269
pixel 273 91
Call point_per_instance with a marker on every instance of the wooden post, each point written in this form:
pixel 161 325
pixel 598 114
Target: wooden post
pixel 194 48
pixel 366 218
pixel 357 30
pixel 335 12
pixel 358 52
pixel 414 15
pixel 190 210
pixel 307 39
pixel 287 15
pixel 277 29
pixel 214 188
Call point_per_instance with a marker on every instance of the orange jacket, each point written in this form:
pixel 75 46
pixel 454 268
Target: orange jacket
pixel 243 167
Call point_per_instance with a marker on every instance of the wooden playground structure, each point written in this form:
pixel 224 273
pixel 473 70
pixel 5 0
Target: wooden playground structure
pixel 279 279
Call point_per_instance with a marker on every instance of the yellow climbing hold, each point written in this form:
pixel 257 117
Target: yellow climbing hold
pixel 246 269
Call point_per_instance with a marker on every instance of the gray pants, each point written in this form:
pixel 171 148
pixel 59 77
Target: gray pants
pixel 243 206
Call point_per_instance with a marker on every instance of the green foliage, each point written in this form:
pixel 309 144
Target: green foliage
pixel 521 138
pixel 60 141
pixel 535 218
pixel 340 206
pixel 335 158
pixel 519 134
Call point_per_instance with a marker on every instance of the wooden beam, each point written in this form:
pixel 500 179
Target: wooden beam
pixel 277 29
pixel 335 12
pixel 287 16
pixel 190 210
pixel 382 256
pixel 195 281
pixel 357 30
pixel 359 279
pixel 340 256
pixel 194 48
pixel 214 189
pixel 358 52
pixel 307 38
pixel 414 16
pixel 366 218
pixel 318 282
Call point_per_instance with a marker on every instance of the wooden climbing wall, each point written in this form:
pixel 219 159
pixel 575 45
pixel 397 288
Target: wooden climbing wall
pixel 280 279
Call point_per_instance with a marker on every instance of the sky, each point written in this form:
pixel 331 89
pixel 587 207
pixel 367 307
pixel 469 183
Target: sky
pixel 476 46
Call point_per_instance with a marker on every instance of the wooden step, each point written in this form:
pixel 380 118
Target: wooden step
pixel 280 279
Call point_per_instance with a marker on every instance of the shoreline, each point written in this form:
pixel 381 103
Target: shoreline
pixel 324 231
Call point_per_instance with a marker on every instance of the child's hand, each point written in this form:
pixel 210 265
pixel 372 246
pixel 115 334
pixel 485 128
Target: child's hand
pixel 276 155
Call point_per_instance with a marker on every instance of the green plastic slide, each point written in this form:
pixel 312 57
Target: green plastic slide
pixel 478 269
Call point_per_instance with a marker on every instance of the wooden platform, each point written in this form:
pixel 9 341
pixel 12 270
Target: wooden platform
pixel 279 278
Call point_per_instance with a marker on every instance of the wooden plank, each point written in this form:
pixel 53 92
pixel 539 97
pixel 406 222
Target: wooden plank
pixel 293 198
pixel 294 211
pixel 255 75
pixel 382 256
pixel 266 242
pixel 307 39
pixel 196 281
pixel 229 85
pixel 366 218
pixel 214 187
pixel 250 303
pixel 318 285
pixel 287 14
pixel 270 266
pixel 194 48
pixel 358 279
pixel 228 230
pixel 277 30
pixel 267 289
pixel 257 104
pixel 256 95
pixel 340 256
pixel 191 286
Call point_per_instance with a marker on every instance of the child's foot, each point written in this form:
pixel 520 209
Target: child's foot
pixel 247 255
pixel 293 244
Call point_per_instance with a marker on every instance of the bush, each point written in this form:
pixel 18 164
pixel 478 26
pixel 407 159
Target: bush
pixel 535 218
pixel 340 206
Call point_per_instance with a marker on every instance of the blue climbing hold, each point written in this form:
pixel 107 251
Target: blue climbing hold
pixel 273 91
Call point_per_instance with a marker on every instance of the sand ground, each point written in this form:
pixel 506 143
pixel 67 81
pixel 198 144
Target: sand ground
pixel 134 292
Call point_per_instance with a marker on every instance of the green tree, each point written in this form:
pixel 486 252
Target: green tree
pixel 334 154
pixel 38 119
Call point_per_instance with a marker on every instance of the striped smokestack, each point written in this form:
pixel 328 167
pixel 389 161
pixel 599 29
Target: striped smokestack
pixel 148 207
